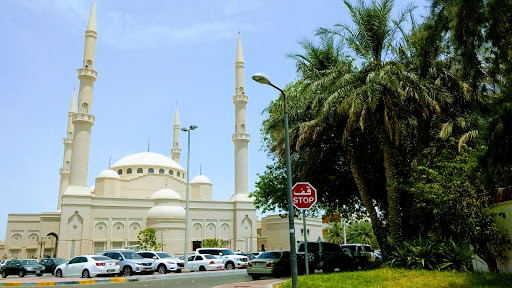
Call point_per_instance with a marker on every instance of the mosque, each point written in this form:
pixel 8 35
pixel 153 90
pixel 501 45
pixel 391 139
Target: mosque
pixel 138 191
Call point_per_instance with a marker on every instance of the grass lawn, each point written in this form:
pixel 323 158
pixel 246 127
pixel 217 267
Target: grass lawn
pixel 397 278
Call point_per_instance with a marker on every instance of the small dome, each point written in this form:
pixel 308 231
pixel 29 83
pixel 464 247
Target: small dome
pixel 166 212
pixel 201 179
pixel 166 194
pixel 147 159
pixel 108 174
pixel 92 188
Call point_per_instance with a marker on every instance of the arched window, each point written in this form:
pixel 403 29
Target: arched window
pixel 120 171
pixel 139 170
pixel 183 175
pixel 170 172
pixel 242 127
pixel 178 173
pixel 129 171
pixel 151 170
pixel 161 171
pixel 85 108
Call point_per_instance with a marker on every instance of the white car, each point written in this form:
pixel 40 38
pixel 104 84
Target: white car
pixel 87 266
pixel 164 262
pixel 231 260
pixel 204 262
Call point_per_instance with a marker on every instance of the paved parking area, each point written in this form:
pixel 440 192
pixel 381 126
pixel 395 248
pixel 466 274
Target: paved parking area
pixel 50 280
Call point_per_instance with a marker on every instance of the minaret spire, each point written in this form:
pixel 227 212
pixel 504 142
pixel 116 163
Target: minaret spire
pixel 240 137
pixel 83 120
pixel 68 151
pixel 176 151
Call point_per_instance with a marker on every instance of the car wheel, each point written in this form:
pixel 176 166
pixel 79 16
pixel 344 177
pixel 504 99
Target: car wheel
pixel 85 274
pixel 178 271
pixel 58 273
pixel 230 266
pixel 127 271
pixel 162 269
pixel 202 268
pixel 255 277
pixel 21 273
pixel 327 268
pixel 4 274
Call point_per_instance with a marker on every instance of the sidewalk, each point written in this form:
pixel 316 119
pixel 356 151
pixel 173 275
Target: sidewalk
pixel 254 284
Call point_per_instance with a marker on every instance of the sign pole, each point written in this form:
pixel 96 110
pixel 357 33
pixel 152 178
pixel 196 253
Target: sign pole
pixel 306 259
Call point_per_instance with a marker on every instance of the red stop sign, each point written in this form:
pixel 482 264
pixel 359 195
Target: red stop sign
pixel 303 195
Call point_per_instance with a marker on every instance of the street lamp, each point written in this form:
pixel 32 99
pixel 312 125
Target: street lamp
pixel 162 237
pixel 263 79
pixel 185 260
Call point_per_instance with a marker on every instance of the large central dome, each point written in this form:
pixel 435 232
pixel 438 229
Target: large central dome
pixel 147 159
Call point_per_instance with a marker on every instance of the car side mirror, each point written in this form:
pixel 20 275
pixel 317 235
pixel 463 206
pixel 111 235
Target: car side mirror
pixel 119 258
pixel 154 257
pixel 18 264
pixel 221 254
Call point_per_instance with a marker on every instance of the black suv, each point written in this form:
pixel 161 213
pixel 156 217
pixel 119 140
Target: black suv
pixel 326 256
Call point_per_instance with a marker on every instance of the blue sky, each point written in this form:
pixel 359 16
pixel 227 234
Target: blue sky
pixel 149 54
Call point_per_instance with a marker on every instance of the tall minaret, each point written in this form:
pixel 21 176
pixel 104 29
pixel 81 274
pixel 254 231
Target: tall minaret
pixel 240 137
pixel 68 148
pixel 83 120
pixel 176 151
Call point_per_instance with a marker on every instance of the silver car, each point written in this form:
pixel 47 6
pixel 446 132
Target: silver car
pixel 130 262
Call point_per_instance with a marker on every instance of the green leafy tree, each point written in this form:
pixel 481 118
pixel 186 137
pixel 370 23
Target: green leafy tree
pixel 360 232
pixel 212 243
pixel 147 240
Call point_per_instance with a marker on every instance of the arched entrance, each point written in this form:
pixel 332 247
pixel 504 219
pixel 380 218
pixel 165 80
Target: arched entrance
pixel 52 242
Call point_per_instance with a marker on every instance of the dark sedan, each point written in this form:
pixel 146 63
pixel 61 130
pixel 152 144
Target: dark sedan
pixel 22 267
pixel 51 263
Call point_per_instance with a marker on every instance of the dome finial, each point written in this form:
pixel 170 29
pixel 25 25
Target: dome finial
pixel 200 168
pixel 109 161
pixel 148 144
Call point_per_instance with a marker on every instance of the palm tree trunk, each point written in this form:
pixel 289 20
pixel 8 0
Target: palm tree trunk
pixel 395 223
pixel 378 230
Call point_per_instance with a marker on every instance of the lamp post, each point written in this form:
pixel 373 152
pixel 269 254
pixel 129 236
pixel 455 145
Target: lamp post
pixel 185 260
pixel 162 237
pixel 263 79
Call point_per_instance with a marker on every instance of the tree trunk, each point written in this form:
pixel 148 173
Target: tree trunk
pixel 395 223
pixel 377 226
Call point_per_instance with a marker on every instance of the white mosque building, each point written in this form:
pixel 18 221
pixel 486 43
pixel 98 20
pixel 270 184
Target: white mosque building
pixel 138 191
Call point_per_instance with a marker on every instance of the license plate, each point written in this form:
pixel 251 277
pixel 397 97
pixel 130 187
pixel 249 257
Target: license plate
pixel 148 269
pixel 110 270
pixel 38 271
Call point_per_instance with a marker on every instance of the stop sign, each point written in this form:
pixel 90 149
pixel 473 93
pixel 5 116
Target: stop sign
pixel 303 195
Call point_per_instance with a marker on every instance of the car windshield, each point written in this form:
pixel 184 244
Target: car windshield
pixel 131 255
pixel 165 255
pixel 29 262
pixel 227 252
pixel 269 255
pixel 59 261
pixel 100 258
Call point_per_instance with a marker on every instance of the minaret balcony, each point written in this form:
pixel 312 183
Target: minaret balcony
pixel 175 150
pixel 68 140
pixel 240 99
pixel 83 117
pixel 87 72
pixel 64 170
pixel 241 137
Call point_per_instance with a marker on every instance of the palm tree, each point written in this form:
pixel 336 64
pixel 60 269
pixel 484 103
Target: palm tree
pixel 335 233
pixel 376 92
pixel 360 232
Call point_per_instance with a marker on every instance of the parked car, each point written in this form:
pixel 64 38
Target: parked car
pixel 326 256
pixel 250 256
pixel 129 261
pixel 363 253
pixel 256 254
pixel 163 261
pixel 273 264
pixel 378 255
pixel 204 262
pixel 231 260
pixel 87 266
pixel 51 263
pixel 21 268
pixel 3 262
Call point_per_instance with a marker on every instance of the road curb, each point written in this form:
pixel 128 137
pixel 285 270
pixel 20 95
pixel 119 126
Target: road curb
pixel 103 281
